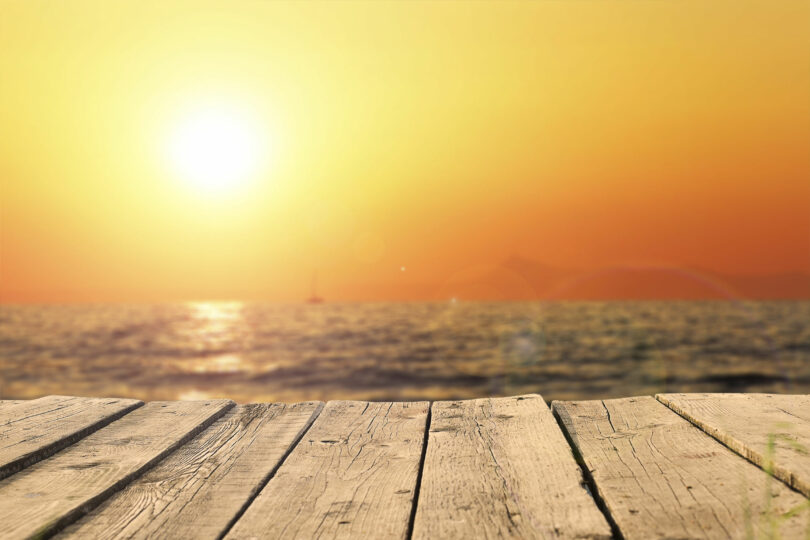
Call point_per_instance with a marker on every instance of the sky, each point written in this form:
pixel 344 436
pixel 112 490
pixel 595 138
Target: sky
pixel 193 150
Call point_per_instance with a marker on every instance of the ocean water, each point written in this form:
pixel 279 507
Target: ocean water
pixel 272 352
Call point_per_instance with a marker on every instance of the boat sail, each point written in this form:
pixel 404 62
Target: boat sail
pixel 313 295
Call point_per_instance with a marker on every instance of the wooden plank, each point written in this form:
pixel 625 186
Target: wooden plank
pixel 500 468
pixel 7 402
pixel 198 490
pixel 45 497
pixel 33 430
pixel 352 475
pixel 661 477
pixel 770 430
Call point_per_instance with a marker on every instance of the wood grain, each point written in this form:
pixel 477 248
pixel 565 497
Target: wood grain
pixel 7 402
pixel 661 477
pixel 33 430
pixel 198 490
pixel 770 430
pixel 353 475
pixel 44 497
pixel 501 468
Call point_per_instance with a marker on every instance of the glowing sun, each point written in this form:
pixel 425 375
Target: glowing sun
pixel 215 149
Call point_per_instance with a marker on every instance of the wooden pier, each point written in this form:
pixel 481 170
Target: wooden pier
pixel 669 466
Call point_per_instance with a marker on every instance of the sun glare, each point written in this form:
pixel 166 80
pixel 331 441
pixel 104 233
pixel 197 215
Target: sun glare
pixel 215 149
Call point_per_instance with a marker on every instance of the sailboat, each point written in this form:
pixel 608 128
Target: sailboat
pixel 313 296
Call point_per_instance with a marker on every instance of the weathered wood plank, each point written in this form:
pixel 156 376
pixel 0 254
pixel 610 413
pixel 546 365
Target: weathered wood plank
pixel 501 468
pixel 661 477
pixel 770 430
pixel 43 498
pixel 7 402
pixel 33 430
pixel 198 490
pixel 352 475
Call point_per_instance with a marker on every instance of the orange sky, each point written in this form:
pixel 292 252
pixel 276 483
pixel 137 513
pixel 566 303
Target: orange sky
pixel 400 145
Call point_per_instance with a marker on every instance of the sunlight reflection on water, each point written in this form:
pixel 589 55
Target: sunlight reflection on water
pixel 215 324
pixel 267 352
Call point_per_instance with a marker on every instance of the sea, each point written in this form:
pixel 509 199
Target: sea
pixel 403 351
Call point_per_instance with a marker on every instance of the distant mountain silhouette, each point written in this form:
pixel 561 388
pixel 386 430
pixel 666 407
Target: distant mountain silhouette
pixel 519 278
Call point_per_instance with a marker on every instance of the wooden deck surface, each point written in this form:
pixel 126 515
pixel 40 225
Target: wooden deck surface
pixel 669 466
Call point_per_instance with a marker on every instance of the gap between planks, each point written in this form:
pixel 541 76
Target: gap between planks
pixel 417 490
pixel 273 472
